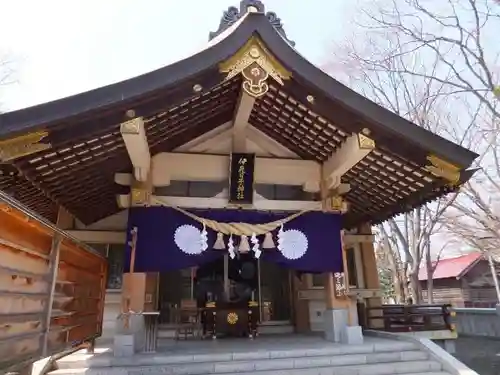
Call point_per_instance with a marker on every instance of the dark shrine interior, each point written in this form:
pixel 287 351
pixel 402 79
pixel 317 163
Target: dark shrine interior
pixel 242 279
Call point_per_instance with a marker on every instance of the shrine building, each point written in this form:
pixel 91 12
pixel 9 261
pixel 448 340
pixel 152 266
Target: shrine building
pixel 241 179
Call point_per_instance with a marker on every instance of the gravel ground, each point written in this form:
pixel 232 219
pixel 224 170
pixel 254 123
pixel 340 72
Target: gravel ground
pixel 480 354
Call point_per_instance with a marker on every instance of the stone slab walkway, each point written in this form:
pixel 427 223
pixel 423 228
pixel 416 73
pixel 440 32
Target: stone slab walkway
pixel 480 354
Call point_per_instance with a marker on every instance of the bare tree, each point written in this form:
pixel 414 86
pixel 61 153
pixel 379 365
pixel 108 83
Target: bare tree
pixel 427 102
pixel 476 214
pixel 6 72
pixel 435 63
pixel 461 34
pixel 389 260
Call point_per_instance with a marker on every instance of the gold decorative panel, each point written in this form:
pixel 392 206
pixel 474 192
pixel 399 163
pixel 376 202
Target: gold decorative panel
pixel 255 63
pixel 139 197
pixel 365 142
pixel 443 169
pixel 14 148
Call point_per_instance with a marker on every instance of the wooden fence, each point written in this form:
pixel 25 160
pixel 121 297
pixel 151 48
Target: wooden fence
pixel 409 318
pixel 51 288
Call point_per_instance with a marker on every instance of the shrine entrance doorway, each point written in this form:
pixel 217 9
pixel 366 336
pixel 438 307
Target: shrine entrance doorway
pixel 269 285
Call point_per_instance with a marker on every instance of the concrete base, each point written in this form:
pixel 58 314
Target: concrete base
pixel 498 309
pixel 352 335
pixel 335 320
pixel 124 345
pixel 131 338
pixel 336 327
pixel 448 345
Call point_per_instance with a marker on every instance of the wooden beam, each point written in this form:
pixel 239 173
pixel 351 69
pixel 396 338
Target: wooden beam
pixel 203 167
pixel 221 201
pixel 99 236
pixel 270 145
pixel 352 239
pixel 354 149
pixel 208 140
pixel 120 236
pixel 240 120
pixel 136 143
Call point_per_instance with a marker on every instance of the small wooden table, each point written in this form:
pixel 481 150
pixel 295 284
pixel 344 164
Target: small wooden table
pixel 228 319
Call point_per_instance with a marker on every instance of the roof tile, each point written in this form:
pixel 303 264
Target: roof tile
pixel 451 267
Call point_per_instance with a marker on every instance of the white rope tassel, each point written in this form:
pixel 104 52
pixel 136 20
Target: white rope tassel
pixel 281 238
pixel 244 245
pixel 255 247
pixel 219 242
pixel 230 247
pixel 204 238
pixel 268 242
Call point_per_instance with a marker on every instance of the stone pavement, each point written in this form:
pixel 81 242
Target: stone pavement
pixel 480 354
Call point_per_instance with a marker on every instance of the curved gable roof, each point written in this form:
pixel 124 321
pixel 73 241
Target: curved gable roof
pixel 325 89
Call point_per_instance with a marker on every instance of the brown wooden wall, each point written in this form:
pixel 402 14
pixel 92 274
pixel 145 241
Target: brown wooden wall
pixel 445 291
pixel 474 289
pixel 51 296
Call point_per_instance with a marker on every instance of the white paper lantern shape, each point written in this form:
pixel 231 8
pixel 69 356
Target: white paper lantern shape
pixel 188 239
pixel 294 245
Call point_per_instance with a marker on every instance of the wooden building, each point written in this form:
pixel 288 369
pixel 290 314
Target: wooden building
pixel 463 281
pixel 163 143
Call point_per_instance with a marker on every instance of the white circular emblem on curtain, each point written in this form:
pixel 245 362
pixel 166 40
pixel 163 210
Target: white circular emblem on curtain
pixel 187 238
pixel 295 244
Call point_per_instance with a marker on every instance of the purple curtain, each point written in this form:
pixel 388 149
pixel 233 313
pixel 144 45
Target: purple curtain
pixel 156 250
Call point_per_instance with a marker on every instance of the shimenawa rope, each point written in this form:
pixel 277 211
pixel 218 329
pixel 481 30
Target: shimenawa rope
pixel 236 229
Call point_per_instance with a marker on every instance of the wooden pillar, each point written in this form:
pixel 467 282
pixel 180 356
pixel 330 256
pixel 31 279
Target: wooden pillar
pixel 139 289
pixel 332 301
pixel 301 306
pixel 369 260
pixel 370 272
pixel 338 302
pixel 64 219
pixel 341 320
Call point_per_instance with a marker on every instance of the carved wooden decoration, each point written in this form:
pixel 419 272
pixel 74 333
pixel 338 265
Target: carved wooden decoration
pixel 254 62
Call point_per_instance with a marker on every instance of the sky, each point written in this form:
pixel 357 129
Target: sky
pixel 60 47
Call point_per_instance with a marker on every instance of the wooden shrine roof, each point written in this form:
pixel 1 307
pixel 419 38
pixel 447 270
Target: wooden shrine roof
pixel 77 171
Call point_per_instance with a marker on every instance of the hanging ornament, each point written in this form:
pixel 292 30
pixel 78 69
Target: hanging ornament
pixel 230 247
pixel 244 245
pixel 187 239
pixel 255 247
pixel 219 242
pixel 268 242
pixel 294 244
pixel 281 238
pixel 204 238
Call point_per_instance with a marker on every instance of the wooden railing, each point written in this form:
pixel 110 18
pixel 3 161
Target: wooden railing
pixel 52 288
pixel 409 318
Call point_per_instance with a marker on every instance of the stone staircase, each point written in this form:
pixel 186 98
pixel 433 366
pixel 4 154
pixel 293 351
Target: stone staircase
pixel 381 357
